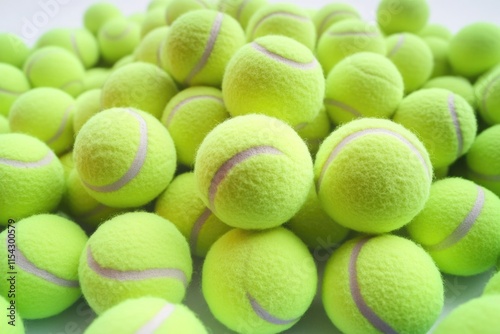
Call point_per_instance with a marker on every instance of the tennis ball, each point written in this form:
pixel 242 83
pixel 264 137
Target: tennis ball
pixel 241 10
pixel 67 163
pixel 117 263
pixel 178 8
pixel 125 157
pixel 436 30
pixel 258 77
pixel 118 38
pixel 259 178
pixel 457 85
pixel 441 173
pixel 138 85
pixel 86 105
pixel 45 113
pixel 347 38
pixel 190 116
pixel 77 203
pixel 331 14
pixel 137 18
pixel 402 16
pixel 483 159
pixel 4 125
pixel 367 72
pixel 14 50
pixel 99 14
pixel 443 121
pixel 13 324
pixel 181 204
pixel 47 248
pixel 382 284
pixel 154 4
pixel 13 84
pixel 487 92
pixel 147 314
pixel 199 46
pixel 439 48
pixel 53 66
pixel 479 315
pixel 459 227
pixel 95 78
pixel 475 49
pixel 412 57
pixel 259 281
pixel 151 47
pixel 285 20
pixel 80 42
pixel 154 19
pixel 493 286
pixel 372 175
pixel 315 132
pixel 128 59
pixel 314 226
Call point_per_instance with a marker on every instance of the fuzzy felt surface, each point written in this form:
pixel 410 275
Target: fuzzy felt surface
pixel 439 48
pixel 98 14
pixel 456 84
pixel 407 15
pixel 316 131
pixel 86 105
pixel 149 49
pixel 385 276
pixel 487 90
pixel 4 125
pixel 118 38
pixel 241 10
pixel 14 83
pixel 259 282
pixel 14 49
pixel 178 8
pixel 331 14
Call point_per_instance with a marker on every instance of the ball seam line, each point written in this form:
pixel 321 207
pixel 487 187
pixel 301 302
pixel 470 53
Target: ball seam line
pixel 10 92
pixel 120 35
pixel 158 320
pixel 32 63
pixel 137 163
pixel 188 100
pixel 62 126
pixel 487 92
pixel 456 124
pixel 327 18
pixel 198 225
pixel 279 13
pixel 344 107
pixel 226 167
pixel 292 63
pixel 46 160
pixel 367 312
pixel 398 46
pixel 67 84
pixel 134 275
pixel 465 226
pixel 266 316
pixel 240 9
pixel 75 46
pixel 214 33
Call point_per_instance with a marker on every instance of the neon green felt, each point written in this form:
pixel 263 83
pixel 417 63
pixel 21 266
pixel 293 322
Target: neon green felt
pixel 149 50
pixel 14 83
pixel 458 85
pixel 153 19
pixel 86 105
pixel 98 14
pixel 487 92
pixel 241 10
pixel 331 14
pixel 178 8
pixel 436 30
pixel 14 50
pixel 315 132
pixel 404 15
pixel 95 78
pixel 493 286
pixel 118 38
pixel 4 125
pixel 439 48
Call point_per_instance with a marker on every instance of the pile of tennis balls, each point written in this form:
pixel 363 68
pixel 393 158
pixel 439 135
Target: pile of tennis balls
pixel 251 135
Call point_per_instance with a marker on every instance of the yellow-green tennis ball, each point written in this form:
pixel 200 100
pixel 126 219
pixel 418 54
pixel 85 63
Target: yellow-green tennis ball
pixel 314 226
pixel 459 227
pixel 118 38
pixel 351 84
pixel 315 132
pixel 115 264
pixel 128 59
pixel 493 286
pixel 178 8
pixel 151 47
pixel 86 105
pixel 12 323
pixel 154 4
pixel 347 38
pixel 181 204
pixel 441 173
pixel 125 157
pixel 331 14
pixel 483 159
pixel 13 84
pixel 253 172
pixel 137 18
pixel 95 78
pixel 31 177
pixel 4 125
pixel 457 85
pixel 80 42
pixel 99 14
pixel 487 92
pixel 439 48
pixel 190 116
pixel 47 249
pixel 259 281
pixel 282 19
pixel 241 10
pixel 258 78
pixel 147 314
pixel 370 281
pixel 372 175
pixel 443 121
pixel 436 30
pixel 479 315
pixel 199 46
pixel 475 49
pixel 154 19
pixel 47 114
pixel 81 206
pixel 67 163
pixel 53 66
pixel 14 50
pixel 139 85
pixel 412 57
pixel 402 16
